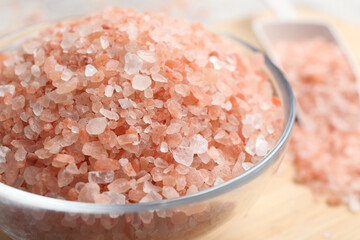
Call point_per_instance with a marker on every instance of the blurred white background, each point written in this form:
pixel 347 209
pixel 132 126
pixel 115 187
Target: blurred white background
pixel 15 14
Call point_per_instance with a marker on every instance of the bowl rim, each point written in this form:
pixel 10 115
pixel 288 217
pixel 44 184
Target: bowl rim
pixel 23 199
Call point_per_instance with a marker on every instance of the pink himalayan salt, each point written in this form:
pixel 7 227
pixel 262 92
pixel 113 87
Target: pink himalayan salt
pixel 169 192
pixel 96 126
pixel 159 119
pixel 133 63
pixel 88 192
pixel 141 82
pixel 119 185
pixel 326 146
pixel 101 177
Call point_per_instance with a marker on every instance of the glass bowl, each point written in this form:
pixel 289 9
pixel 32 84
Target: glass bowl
pixel 202 215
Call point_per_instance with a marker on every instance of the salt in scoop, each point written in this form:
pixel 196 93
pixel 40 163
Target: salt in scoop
pixel 287 26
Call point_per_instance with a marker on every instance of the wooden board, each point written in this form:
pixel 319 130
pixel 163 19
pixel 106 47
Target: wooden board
pixel 288 211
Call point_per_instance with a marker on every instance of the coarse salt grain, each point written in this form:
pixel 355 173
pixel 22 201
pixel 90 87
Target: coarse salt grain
pixel 183 155
pixel 96 126
pixel 104 42
pixel 109 114
pixel 3 151
pixel 133 63
pixel 90 70
pixel 198 144
pixel 159 78
pixel 141 82
pixel 109 91
pixel 164 147
pixel 101 177
pixel 4 89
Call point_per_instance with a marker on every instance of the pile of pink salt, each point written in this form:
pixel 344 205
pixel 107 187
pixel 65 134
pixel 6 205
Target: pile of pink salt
pixel 327 144
pixel 125 107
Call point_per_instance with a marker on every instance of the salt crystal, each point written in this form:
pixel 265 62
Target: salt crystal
pixel 217 63
pixel 117 88
pixel 218 99
pixel 18 102
pixel 30 174
pixel 183 155
pixel 147 129
pixel 30 46
pixel 216 155
pixel 262 146
pixel 353 203
pixel 270 129
pixel 124 103
pixel 64 178
pixel 151 197
pixel 147 119
pixel 148 93
pixel 96 126
pixel 4 89
pixel 109 91
pixel 159 78
pixel 160 163
pixel 131 30
pixel 205 158
pixel 72 168
pixel 247 165
pixel 158 103
pixel 123 161
pixel 35 125
pixel 149 187
pixel 146 216
pixel 115 198
pixel 3 151
pixel 29 133
pixel 182 89
pixel 192 189
pixel 164 147
pixel 141 82
pixel 20 69
pixel 20 154
pixel 133 63
pixel 250 147
pixel 147 56
pixel 198 144
pixel 227 106
pixel 109 114
pixel 218 181
pixel 88 192
pixel 169 192
pixel 59 68
pixel 133 183
pixel 90 70
pixel 94 149
pixel 104 42
pixel 68 40
pixel 101 177
pixel 120 185
pixel 35 70
pixel 112 65
pixel 38 108
pixel 66 75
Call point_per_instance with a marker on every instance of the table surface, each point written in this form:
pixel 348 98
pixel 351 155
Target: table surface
pixel 288 211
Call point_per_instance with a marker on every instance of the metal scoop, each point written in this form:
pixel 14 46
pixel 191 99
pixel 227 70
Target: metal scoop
pixel 289 27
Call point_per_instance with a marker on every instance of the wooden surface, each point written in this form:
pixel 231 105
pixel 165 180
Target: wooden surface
pixel 288 211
